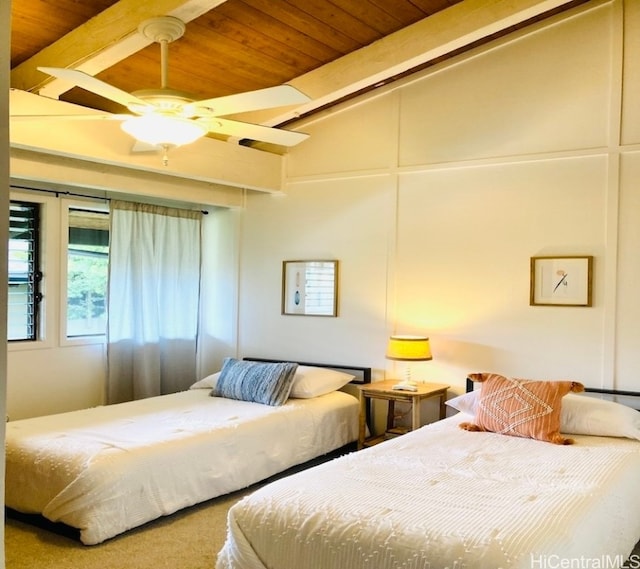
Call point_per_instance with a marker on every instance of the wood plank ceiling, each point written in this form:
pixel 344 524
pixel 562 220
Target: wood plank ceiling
pixel 240 45
pixel 234 46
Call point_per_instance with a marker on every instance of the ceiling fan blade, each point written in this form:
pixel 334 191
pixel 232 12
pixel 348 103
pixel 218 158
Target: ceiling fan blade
pixel 90 83
pixel 255 132
pixel 278 96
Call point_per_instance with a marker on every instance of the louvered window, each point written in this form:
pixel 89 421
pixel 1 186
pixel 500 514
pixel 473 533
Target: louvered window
pixel 24 271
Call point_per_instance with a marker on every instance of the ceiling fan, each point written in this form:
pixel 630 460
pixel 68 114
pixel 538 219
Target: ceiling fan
pixel 166 118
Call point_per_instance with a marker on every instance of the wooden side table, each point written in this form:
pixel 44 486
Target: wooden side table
pixel 384 390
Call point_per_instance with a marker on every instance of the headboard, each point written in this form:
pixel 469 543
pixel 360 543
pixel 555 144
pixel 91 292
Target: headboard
pixel 363 374
pixel 629 398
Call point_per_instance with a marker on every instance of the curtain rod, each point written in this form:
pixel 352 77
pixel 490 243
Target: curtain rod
pixel 58 193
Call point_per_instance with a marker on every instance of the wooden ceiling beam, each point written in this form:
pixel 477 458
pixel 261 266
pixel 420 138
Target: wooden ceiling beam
pixel 408 48
pixel 109 37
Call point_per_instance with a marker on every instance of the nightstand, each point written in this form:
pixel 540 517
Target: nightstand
pixel 383 390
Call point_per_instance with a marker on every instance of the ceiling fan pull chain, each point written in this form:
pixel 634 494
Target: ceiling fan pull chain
pixel 165 154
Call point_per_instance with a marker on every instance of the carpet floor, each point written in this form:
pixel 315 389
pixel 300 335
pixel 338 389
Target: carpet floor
pixel 189 539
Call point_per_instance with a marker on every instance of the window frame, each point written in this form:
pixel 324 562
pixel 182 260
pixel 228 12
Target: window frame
pixel 54 240
pixel 67 204
pixel 49 250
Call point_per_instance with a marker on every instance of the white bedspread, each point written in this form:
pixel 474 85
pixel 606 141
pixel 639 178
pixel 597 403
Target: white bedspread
pixel 441 497
pixel 108 469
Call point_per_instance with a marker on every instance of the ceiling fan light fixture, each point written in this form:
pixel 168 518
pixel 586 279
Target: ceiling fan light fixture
pixel 166 118
pixel 164 131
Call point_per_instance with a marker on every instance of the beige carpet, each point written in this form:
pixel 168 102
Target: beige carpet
pixel 189 539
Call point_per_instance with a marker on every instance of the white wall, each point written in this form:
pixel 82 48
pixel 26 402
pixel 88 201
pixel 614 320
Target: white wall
pixel 434 194
pixel 219 300
pixel 625 323
pixel 317 223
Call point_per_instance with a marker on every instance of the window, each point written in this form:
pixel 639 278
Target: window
pixel 58 255
pixel 87 272
pixel 24 271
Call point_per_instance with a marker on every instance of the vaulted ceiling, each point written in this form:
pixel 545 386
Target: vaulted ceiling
pixel 329 49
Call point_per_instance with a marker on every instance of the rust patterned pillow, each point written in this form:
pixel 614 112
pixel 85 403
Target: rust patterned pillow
pixel 521 407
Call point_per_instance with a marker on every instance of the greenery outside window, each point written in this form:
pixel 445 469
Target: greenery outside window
pixel 87 272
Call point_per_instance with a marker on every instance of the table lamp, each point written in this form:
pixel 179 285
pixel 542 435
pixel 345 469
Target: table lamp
pixel 408 349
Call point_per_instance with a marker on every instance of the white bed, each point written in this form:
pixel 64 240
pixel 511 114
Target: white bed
pixel 442 497
pixel 108 469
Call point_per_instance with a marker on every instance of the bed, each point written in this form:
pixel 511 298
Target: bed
pixel 108 469
pixel 445 496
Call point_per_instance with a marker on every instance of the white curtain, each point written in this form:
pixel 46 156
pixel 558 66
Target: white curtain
pixel 154 288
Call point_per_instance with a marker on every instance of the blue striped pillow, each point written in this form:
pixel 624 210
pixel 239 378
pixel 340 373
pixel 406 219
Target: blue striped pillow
pixel 267 383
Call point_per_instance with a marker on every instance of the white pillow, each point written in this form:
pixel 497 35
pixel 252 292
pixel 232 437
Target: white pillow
pixel 583 415
pixel 465 403
pixel 580 415
pixel 308 382
pixel 311 381
pixel 208 382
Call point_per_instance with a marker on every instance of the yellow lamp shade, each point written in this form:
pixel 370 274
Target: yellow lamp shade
pixel 409 348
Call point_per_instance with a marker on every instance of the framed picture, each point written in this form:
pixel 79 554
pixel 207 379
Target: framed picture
pixel 561 281
pixel 310 288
